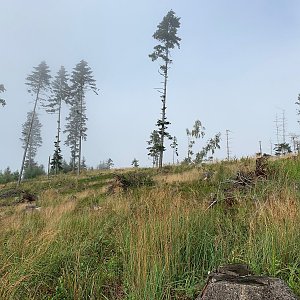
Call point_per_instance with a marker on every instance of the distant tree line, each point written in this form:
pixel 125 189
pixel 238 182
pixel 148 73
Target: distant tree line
pixel 105 165
pixel 7 176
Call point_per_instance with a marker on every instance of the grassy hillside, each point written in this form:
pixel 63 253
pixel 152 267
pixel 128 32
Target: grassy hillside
pixel 149 235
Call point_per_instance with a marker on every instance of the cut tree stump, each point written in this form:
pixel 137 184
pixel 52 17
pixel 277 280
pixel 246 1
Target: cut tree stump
pixel 236 282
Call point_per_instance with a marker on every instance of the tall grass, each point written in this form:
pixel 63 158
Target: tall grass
pixel 152 242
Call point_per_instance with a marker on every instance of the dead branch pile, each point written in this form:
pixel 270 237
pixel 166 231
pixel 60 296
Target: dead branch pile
pixel 241 182
pixel 22 196
pixel 124 182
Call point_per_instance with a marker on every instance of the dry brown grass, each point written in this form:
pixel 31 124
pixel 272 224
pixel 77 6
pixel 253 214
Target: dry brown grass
pixel 280 206
pixel 187 176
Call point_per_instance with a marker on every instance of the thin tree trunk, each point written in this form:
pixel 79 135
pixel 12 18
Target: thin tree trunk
pixel 80 135
pixel 58 134
pixel 79 156
pixel 29 155
pixel 163 114
pixel 74 161
pixel 28 137
pixel 48 172
pixel 173 157
pixel 188 153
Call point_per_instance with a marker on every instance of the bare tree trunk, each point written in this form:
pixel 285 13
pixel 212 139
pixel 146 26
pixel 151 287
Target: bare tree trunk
pixel 29 156
pixel 188 153
pixel 227 144
pixel 80 135
pixel 74 160
pixel 173 156
pixel 28 137
pixel 164 98
pixel 58 133
pixel 48 171
pixel 79 156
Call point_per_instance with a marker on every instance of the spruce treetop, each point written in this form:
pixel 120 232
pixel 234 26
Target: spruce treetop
pixel 82 78
pixel 60 84
pixel 60 90
pixel 39 79
pixel 166 34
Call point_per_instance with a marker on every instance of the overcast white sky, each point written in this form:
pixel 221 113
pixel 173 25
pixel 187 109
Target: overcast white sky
pixel 239 65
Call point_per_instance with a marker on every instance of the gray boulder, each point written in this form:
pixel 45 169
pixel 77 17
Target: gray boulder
pixel 236 282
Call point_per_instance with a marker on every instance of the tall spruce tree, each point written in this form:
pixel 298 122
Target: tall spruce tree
pixel 166 34
pixel 82 81
pixel 38 83
pixel 35 139
pixel 60 93
pixel 2 90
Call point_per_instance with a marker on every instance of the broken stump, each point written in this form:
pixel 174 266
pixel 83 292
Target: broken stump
pixel 236 282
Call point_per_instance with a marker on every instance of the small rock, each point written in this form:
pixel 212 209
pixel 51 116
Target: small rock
pixel 97 207
pixel 32 207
